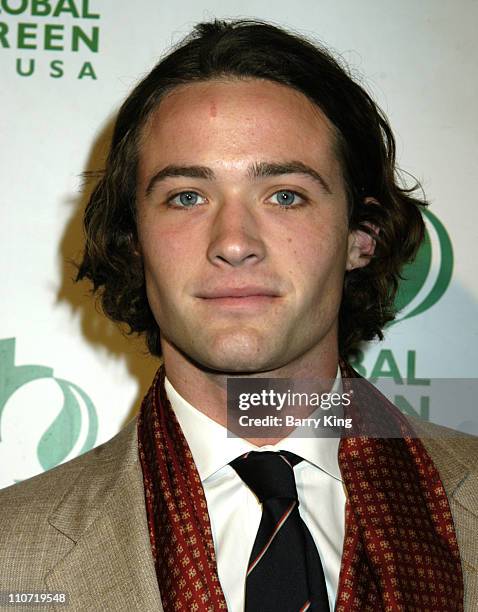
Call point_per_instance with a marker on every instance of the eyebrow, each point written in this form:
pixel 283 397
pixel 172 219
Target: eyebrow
pixel 255 171
pixel 263 169
pixel 202 172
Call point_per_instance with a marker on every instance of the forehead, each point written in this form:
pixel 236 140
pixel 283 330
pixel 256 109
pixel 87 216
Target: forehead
pixel 237 121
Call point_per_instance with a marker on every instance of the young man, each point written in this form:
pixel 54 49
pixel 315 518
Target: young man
pixel 249 222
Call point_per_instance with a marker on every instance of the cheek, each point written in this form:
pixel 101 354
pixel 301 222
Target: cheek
pixel 168 257
pixel 317 256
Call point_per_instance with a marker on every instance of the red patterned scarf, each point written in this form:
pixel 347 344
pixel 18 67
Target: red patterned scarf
pixel 400 550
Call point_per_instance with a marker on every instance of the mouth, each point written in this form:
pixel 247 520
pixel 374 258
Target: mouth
pixel 239 297
pixel 241 302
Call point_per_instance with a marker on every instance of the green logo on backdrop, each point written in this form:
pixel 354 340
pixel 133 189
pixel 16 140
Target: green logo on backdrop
pixel 424 283
pixel 63 31
pixel 59 439
pixel 420 288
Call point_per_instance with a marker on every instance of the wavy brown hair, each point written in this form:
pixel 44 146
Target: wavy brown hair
pixel 365 145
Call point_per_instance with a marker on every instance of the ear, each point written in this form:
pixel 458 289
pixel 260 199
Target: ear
pixel 361 245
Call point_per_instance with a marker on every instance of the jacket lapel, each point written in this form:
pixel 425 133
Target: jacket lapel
pixel 110 565
pixel 454 456
pixel 464 507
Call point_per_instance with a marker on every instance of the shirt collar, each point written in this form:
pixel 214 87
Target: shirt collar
pixel 212 449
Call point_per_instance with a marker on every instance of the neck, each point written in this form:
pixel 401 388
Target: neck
pixel 206 389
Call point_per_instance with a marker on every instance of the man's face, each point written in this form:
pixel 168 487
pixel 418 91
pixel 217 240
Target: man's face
pixel 242 225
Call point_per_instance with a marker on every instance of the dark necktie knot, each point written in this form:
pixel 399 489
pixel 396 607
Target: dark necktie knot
pixel 268 474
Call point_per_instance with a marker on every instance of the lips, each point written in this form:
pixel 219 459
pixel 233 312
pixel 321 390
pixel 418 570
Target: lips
pixel 251 291
pixel 247 297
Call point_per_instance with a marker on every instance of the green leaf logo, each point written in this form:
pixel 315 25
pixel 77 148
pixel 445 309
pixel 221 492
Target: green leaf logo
pixel 76 419
pixel 62 435
pixel 427 278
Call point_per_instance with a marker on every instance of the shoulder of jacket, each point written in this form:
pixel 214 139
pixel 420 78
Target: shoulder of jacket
pixel 448 443
pixel 103 462
pixel 455 456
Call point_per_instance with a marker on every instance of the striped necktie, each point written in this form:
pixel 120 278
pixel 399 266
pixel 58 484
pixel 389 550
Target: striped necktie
pixel 285 573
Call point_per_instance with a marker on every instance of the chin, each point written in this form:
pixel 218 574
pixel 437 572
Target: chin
pixel 242 352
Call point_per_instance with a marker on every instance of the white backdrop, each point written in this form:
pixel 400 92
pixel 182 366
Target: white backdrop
pixel 68 379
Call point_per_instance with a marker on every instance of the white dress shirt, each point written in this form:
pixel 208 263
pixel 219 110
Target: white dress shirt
pixel 234 510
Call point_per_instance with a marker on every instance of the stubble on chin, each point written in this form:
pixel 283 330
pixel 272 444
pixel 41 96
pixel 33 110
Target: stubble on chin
pixel 244 350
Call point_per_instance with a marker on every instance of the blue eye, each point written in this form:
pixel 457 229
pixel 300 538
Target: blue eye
pixel 287 198
pixel 186 199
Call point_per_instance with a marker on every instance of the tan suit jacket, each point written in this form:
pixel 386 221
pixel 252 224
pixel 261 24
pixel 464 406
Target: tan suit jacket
pixel 81 528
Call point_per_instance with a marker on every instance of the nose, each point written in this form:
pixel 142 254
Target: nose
pixel 235 238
